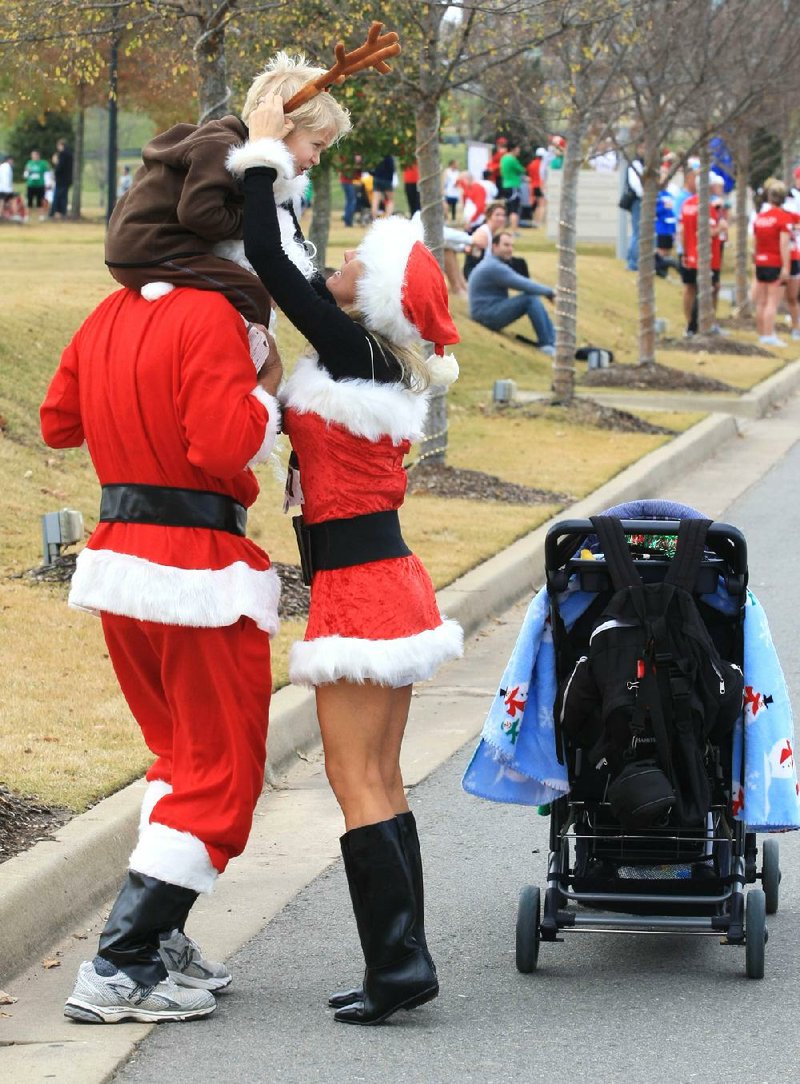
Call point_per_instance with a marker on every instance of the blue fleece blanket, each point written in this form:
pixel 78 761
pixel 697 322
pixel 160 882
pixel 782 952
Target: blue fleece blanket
pixel 516 762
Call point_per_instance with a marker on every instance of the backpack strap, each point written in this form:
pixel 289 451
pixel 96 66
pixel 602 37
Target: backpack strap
pixel 690 548
pixel 617 556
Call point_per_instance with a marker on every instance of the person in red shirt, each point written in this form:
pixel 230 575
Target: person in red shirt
pixel 689 260
pixel 493 166
pixel 772 233
pixel 410 183
pixel 473 195
pixel 536 180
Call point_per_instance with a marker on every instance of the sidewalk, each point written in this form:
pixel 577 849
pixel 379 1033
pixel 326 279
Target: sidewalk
pixel 57 890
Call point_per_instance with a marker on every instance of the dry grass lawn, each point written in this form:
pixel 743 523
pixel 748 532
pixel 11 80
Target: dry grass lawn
pixel 65 732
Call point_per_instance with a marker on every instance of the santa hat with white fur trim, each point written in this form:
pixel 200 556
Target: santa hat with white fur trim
pixel 402 292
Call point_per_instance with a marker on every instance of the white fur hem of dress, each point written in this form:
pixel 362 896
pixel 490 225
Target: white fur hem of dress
pixel 364 408
pixel 395 663
pixel 120 583
pixel 179 858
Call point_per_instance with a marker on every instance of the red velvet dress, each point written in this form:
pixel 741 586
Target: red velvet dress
pixel 351 419
pixel 370 622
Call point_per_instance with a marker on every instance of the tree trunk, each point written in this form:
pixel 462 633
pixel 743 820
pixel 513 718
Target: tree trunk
pixel 705 303
pixel 77 187
pixel 646 276
pixel 742 160
pixel 213 91
pixel 319 230
pixel 434 443
pixel 563 386
pixel 430 176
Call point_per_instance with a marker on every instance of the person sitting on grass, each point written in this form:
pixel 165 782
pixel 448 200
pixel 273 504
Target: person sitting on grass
pixel 489 300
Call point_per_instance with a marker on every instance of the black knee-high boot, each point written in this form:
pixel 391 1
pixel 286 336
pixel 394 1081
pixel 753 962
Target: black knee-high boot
pixel 399 974
pixel 410 841
pixel 144 908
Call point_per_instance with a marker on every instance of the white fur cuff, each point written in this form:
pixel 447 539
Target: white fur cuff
pixel 152 291
pixel 179 858
pixel 156 790
pixel 273 425
pixel 261 152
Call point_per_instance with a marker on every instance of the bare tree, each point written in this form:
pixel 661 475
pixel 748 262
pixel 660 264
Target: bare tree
pixel 586 65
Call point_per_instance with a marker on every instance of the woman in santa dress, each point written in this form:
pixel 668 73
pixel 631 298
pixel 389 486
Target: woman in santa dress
pixel 352 409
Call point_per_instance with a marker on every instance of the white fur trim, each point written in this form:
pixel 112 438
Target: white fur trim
pixel 156 790
pixel 443 370
pixel 385 252
pixel 261 152
pixel 364 408
pixel 198 598
pixel 388 662
pixel 233 251
pixel 179 858
pixel 273 425
pixel 152 291
pixel 297 252
pixel 291 189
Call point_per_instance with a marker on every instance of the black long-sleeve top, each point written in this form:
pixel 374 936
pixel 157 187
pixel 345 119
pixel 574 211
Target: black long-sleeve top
pixel 344 347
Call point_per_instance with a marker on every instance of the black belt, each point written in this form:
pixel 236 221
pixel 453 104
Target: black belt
pixel 167 506
pixel 342 543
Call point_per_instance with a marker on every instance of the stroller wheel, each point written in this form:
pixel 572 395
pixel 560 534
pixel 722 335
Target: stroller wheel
pixel 771 874
pixel 528 920
pixel 755 933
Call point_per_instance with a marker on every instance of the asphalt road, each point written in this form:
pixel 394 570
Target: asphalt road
pixel 600 1008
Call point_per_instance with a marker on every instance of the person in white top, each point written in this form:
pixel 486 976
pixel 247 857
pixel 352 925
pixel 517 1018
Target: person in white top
pixel 450 188
pixel 634 181
pixel 605 161
pixel 6 179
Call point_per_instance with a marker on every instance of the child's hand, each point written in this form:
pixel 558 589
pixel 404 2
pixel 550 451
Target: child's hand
pixel 267 121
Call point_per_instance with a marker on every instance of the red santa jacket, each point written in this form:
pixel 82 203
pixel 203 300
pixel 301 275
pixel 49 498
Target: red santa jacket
pixel 163 394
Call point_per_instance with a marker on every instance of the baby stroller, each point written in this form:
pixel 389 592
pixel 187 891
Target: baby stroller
pixel 669 876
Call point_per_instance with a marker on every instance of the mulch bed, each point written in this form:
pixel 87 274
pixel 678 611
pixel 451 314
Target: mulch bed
pixel 715 344
pixel 589 412
pixel 439 480
pixel 25 821
pixel 649 377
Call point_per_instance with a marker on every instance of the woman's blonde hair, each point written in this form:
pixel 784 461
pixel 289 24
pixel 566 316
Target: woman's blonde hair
pixel 285 75
pixel 416 374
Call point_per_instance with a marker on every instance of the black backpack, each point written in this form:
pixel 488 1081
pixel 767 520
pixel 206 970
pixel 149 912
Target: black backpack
pixel 653 693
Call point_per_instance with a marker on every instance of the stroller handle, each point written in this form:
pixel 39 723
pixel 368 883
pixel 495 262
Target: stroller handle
pixel 566 538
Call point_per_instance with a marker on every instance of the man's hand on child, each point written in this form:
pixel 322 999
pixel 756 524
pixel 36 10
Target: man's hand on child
pixel 267 121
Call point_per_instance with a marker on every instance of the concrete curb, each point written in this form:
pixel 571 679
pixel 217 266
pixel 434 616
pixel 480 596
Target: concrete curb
pixel 47 891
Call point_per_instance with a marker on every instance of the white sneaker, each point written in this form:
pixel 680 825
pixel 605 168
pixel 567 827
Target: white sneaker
pixel 771 340
pixel 103 995
pixel 795 333
pixel 185 964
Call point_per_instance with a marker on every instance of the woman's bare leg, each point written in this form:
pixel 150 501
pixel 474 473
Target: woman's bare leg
pixel 354 721
pixel 390 754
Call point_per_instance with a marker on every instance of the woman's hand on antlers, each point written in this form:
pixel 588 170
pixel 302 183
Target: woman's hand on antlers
pixel 267 121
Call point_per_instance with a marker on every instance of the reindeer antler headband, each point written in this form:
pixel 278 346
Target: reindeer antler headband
pixel 372 54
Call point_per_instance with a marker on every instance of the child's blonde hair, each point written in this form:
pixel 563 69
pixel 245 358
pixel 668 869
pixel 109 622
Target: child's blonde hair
pixel 285 75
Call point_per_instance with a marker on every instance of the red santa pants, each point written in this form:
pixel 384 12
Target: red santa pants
pixel 201 697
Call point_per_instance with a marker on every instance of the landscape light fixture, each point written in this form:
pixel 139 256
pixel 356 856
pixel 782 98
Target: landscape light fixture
pixel 59 529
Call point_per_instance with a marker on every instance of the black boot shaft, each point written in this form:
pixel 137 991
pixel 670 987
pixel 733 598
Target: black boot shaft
pixel 144 908
pixel 398 974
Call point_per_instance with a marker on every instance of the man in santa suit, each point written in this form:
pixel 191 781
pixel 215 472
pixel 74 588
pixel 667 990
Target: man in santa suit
pixel 165 397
